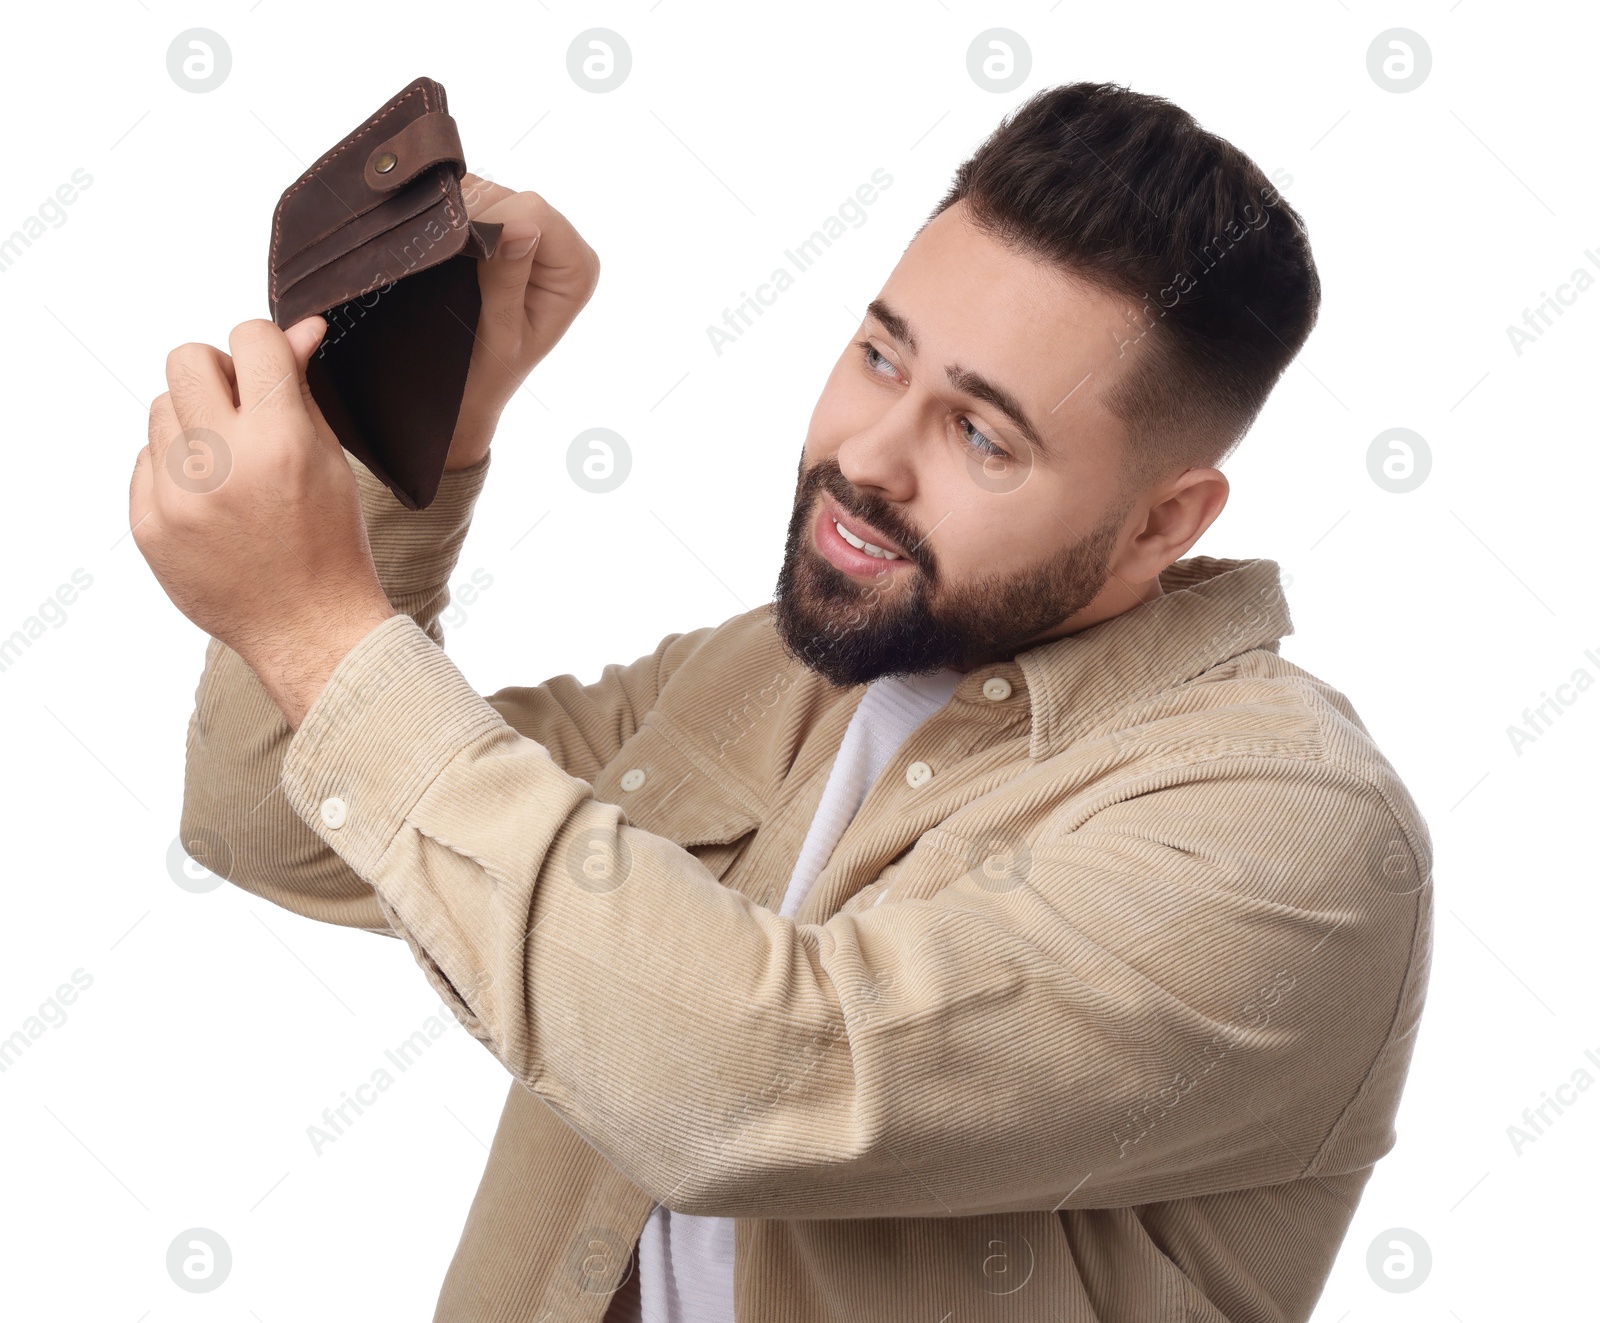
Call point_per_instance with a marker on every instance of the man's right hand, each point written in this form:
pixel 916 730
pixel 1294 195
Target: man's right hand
pixel 540 277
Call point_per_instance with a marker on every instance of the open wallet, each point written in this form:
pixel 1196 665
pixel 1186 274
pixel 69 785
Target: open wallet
pixel 375 237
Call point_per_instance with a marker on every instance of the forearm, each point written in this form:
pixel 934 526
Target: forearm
pixel 233 810
pixel 415 551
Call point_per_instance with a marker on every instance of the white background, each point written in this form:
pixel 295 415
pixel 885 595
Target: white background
pixel 178 1091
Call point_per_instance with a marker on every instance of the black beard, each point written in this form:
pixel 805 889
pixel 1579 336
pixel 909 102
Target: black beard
pixel 851 633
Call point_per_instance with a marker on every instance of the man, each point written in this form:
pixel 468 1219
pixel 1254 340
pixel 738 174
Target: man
pixel 993 927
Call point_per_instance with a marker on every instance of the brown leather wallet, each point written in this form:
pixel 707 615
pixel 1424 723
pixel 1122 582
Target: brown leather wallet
pixel 375 237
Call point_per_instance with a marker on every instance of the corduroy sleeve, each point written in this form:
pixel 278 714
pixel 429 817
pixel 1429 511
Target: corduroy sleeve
pixel 235 819
pixel 1204 983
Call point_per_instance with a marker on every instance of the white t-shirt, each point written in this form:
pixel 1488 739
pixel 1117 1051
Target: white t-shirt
pixel 686 1262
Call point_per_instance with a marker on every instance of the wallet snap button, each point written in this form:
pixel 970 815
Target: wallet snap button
pixel 386 162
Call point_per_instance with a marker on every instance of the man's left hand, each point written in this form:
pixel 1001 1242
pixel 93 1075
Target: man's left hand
pixel 246 509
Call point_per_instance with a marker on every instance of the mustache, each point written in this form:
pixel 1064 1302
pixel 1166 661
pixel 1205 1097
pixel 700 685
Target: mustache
pixel 825 475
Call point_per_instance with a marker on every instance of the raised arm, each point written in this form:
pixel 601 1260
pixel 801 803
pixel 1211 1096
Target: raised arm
pixel 235 818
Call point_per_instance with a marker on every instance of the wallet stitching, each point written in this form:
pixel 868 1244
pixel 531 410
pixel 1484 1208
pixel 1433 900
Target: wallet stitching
pixel 335 253
pixel 277 220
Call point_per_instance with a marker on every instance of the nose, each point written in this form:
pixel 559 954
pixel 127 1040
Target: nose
pixel 880 456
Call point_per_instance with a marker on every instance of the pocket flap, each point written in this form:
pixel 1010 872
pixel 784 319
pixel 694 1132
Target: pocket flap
pixel 395 210
pixel 664 790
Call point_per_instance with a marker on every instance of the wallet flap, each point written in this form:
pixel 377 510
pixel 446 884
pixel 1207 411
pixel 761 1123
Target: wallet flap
pixel 333 191
pixel 426 141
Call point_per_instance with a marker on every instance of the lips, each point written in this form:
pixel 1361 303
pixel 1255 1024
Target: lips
pixel 853 546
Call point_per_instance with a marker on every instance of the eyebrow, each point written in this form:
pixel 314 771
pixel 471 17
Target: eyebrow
pixel 963 379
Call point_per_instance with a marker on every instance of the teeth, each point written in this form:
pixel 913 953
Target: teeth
pixel 867 547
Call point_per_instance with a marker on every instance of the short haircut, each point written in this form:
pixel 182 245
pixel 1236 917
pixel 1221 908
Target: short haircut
pixel 1126 192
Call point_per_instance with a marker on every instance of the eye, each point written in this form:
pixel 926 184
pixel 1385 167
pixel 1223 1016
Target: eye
pixel 978 441
pixel 875 362
pixel 879 365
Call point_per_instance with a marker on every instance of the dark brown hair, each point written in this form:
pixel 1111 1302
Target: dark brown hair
pixel 1129 194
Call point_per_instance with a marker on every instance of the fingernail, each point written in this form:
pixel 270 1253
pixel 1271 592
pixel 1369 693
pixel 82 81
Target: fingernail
pixel 516 249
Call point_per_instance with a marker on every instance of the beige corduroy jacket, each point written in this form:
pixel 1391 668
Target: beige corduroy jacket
pixel 1106 1020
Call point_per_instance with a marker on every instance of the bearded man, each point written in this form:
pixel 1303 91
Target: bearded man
pixel 994 926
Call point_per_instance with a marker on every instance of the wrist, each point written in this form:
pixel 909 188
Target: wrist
pixel 294 666
pixel 469 445
pixel 465 458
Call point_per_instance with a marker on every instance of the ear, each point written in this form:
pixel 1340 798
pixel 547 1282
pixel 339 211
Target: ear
pixel 1177 512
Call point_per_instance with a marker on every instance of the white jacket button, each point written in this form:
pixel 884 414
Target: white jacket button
pixel 918 774
pixel 633 778
pixel 334 812
pixel 997 688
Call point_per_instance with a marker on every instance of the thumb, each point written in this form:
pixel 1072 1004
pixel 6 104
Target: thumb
pixel 304 337
pixel 503 278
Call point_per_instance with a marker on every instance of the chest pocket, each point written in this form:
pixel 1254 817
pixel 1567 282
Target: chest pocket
pixel 665 791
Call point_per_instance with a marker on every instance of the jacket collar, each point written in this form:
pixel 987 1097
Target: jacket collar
pixel 1210 610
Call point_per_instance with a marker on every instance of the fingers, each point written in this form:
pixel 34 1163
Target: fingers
pixel 565 260
pixel 268 367
pixel 150 465
pixel 480 194
pixel 519 215
pixel 225 364
pixel 503 278
pixel 201 380
pixel 540 290
pixel 162 429
pixel 141 498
